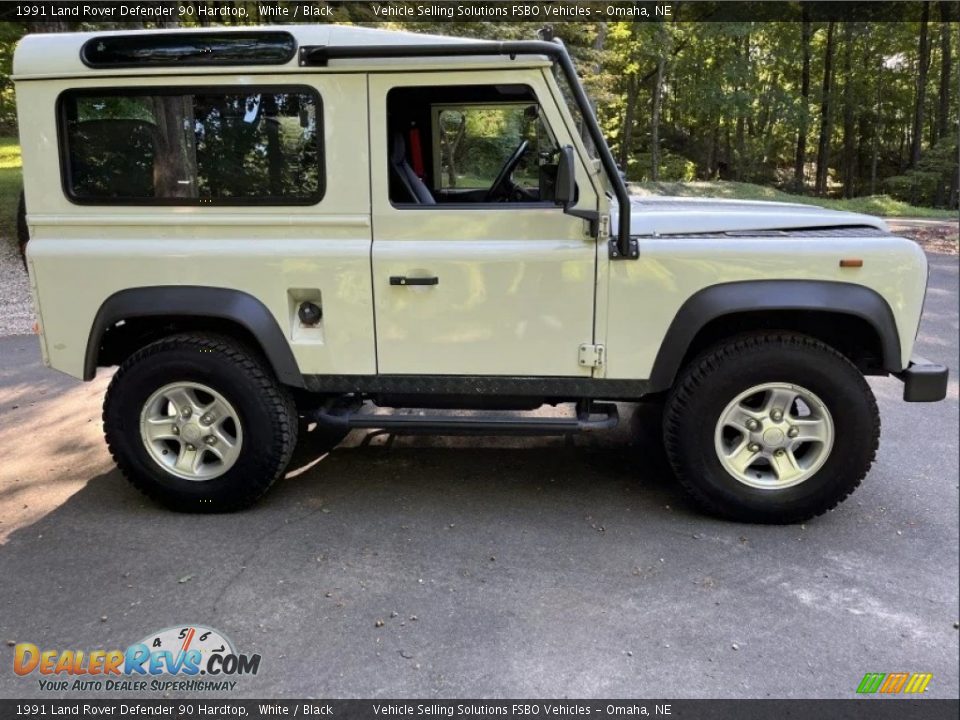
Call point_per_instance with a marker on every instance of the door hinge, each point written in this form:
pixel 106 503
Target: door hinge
pixel 592 355
pixel 604 227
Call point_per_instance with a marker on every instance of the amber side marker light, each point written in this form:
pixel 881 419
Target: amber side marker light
pixel 36 328
pixel 851 262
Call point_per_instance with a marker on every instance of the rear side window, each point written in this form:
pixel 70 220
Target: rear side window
pixel 202 146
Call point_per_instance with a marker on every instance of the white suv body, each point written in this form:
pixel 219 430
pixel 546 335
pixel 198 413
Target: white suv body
pixel 328 204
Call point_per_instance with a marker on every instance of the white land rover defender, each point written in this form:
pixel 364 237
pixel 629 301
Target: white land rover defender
pixel 263 227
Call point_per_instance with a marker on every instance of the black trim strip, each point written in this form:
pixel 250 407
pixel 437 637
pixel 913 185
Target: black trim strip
pixel 567 388
pixel 320 55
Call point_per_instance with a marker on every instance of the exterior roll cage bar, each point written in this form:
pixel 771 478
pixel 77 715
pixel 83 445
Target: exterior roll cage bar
pixel 622 247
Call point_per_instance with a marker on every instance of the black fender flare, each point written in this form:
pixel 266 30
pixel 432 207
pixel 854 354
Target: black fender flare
pixel 716 301
pixel 196 301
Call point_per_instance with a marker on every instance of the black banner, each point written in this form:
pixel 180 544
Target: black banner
pixel 537 11
pixel 874 709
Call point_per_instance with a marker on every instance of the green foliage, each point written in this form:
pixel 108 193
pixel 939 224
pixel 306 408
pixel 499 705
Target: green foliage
pixel 925 185
pixel 10 185
pixel 672 167
pixel 732 105
pixel 914 186
pixel 9 34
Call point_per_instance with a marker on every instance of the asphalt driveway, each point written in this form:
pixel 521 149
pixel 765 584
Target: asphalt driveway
pixel 419 566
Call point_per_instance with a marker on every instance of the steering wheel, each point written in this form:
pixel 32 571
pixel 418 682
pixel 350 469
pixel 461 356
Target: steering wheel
pixel 503 177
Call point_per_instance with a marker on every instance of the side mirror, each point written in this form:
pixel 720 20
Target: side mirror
pixel 565 192
pixel 566 188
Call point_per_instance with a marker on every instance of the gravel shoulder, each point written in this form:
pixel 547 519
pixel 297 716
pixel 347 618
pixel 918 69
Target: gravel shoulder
pixel 939 236
pixel 16 309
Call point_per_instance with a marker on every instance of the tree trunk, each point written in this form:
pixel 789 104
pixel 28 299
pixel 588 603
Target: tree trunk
pixel 946 67
pixel 923 65
pixel 744 57
pixel 849 141
pixel 598 45
pixel 175 165
pixel 626 134
pixel 713 162
pixel 823 147
pixel 451 147
pixel 655 125
pixel 801 156
pixel 657 106
pixel 875 140
pixel 942 126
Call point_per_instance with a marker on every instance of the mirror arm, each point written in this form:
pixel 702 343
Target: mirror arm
pixel 591 216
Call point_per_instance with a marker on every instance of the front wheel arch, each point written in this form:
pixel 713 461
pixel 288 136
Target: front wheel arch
pixel 853 319
pixel 721 374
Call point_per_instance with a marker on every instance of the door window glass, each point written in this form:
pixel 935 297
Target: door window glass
pixel 469 144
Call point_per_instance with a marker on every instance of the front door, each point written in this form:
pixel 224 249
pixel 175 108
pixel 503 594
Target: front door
pixel 476 271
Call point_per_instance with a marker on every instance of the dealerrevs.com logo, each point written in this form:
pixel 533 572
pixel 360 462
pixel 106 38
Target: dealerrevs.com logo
pixel 190 658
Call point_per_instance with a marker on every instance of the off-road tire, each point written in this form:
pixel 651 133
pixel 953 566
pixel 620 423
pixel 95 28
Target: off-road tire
pixel 266 409
pixel 708 383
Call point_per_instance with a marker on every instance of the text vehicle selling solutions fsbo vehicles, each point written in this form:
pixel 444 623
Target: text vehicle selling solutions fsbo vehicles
pixel 264 228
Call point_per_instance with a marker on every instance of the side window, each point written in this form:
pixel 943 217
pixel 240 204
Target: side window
pixel 469 144
pixel 192 147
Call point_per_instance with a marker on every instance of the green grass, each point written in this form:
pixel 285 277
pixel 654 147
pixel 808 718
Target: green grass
pixel 882 205
pixel 10 184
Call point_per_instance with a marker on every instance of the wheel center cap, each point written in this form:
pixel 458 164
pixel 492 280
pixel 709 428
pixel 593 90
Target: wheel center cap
pixel 773 437
pixel 190 433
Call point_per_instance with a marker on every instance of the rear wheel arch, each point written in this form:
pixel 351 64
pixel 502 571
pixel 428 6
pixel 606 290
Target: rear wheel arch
pixel 853 319
pixel 133 318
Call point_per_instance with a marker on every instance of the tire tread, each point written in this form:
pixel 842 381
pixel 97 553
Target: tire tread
pixel 280 403
pixel 695 379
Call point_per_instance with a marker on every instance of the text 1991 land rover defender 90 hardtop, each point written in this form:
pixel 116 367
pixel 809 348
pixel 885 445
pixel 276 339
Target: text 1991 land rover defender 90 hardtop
pixel 264 227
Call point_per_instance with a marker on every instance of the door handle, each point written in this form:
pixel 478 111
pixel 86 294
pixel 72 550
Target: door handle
pixel 404 280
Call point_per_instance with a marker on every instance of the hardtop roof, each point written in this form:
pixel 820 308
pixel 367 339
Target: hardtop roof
pixel 41 55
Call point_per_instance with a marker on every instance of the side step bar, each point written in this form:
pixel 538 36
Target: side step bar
pixel 590 416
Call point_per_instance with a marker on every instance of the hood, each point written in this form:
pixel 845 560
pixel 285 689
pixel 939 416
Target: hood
pixel 660 215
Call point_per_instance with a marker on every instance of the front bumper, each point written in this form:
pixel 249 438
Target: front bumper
pixel 923 381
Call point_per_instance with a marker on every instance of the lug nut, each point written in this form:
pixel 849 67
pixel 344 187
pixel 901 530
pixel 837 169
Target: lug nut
pixel 185 413
pixel 207 419
pixel 753 424
pixel 793 432
pixel 753 447
pixel 190 447
pixel 780 453
pixel 776 415
pixel 175 430
pixel 210 440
